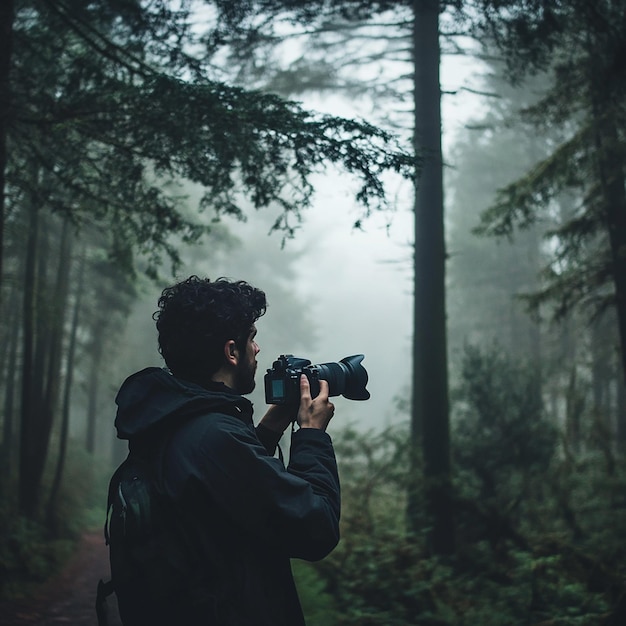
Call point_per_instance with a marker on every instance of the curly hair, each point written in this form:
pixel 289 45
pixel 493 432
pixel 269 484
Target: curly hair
pixel 196 317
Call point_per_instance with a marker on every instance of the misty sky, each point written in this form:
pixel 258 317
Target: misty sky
pixel 355 285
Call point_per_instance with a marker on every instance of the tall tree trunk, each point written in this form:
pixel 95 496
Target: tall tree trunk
pixel 37 373
pixel 7 16
pixel 613 184
pixel 56 311
pixel 27 491
pixel 44 311
pixel 611 176
pixel 429 414
pixel 67 392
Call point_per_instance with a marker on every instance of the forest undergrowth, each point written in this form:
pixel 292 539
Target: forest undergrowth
pixel 540 519
pixel 32 551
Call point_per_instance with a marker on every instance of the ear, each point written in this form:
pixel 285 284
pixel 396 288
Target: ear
pixel 231 353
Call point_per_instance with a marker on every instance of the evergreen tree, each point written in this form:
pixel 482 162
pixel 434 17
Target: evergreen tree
pixel 580 45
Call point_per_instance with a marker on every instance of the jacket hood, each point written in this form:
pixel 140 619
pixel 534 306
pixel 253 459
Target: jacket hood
pixel 153 395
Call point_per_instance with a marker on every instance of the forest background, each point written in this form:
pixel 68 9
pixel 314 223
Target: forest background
pixel 483 483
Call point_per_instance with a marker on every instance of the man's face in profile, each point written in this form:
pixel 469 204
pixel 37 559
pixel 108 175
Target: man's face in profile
pixel 247 365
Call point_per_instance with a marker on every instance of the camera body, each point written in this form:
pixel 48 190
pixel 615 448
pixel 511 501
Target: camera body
pixel 282 380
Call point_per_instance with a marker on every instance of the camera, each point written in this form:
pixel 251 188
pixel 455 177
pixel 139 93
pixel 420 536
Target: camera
pixel 346 378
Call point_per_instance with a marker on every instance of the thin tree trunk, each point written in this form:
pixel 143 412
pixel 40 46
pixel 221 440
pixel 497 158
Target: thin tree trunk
pixel 8 431
pixel 574 409
pixel 429 418
pixel 601 349
pixel 93 387
pixel 534 328
pixel 621 412
pixel 574 399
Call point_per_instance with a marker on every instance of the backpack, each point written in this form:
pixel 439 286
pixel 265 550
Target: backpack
pixel 138 530
pixel 148 547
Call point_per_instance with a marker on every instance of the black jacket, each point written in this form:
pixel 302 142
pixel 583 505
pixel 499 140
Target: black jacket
pixel 239 514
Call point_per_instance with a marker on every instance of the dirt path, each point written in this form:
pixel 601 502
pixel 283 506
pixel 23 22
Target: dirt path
pixel 70 597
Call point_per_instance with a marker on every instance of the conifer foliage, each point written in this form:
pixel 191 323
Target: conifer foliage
pixel 107 97
pixel 581 46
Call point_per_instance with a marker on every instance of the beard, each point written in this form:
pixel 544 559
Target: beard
pixel 244 377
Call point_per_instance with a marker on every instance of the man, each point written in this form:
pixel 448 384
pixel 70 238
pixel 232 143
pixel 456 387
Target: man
pixel 233 515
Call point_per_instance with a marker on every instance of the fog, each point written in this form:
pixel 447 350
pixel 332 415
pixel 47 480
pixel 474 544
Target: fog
pixel 351 288
pixel 354 289
pixel 351 292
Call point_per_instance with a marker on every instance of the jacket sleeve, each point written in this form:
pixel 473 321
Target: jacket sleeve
pixel 268 438
pixel 297 508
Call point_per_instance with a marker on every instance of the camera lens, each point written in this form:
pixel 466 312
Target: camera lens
pixel 347 378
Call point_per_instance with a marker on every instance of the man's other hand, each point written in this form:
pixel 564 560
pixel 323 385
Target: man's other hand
pixel 314 412
pixel 278 417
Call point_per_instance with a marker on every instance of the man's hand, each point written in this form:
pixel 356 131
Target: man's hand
pixel 314 412
pixel 278 417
